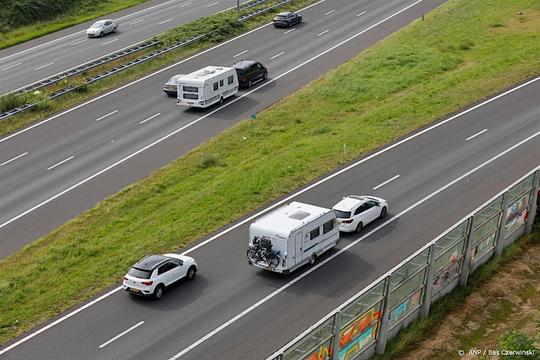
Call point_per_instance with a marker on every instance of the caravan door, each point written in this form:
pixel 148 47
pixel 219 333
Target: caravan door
pixel 299 248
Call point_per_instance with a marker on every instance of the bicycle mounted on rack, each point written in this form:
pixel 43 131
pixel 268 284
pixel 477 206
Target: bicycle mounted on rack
pixel 261 251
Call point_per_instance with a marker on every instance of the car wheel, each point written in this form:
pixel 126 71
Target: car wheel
pixel 249 84
pixel 115 29
pixel 265 75
pixel 312 259
pixel 101 34
pixel 359 227
pixel 384 211
pixel 192 271
pixel 158 292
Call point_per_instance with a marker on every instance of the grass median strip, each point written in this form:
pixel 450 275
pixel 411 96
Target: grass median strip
pixel 219 27
pixel 461 53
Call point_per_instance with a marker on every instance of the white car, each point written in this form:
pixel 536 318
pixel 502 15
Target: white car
pixel 152 274
pixel 354 212
pixel 102 27
pixel 171 86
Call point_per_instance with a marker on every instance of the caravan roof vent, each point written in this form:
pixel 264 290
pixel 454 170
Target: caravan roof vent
pixel 299 215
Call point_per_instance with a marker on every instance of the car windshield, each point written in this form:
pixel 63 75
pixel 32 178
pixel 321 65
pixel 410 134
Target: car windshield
pixel 98 23
pixel 138 273
pixel 342 214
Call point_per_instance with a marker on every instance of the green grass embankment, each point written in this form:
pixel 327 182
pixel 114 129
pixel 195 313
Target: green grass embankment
pixel 462 52
pixel 23 20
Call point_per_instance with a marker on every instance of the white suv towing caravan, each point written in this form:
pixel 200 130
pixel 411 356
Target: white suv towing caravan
pixel 291 236
pixel 207 86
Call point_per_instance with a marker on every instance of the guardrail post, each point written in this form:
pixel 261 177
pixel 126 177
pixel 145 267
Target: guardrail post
pixel 466 267
pixel 499 244
pixel 385 319
pixel 429 282
pixel 337 330
pixel 534 197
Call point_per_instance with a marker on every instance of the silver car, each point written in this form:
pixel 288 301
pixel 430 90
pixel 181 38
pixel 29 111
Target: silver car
pixel 102 27
pixel 171 86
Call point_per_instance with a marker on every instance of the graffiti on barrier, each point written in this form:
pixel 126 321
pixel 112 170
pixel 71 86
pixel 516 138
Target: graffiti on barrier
pixel 406 306
pixel 359 334
pixel 447 274
pixel 322 353
pixel 517 213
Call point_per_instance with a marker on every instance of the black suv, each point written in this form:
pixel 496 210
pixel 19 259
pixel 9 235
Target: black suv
pixel 249 72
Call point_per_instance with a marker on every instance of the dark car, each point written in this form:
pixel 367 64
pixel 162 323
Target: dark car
pixel 249 72
pixel 287 19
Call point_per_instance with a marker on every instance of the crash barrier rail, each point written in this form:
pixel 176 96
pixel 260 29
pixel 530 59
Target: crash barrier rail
pixel 252 3
pixel 262 11
pixel 103 75
pixel 121 67
pixel 361 327
pixel 86 66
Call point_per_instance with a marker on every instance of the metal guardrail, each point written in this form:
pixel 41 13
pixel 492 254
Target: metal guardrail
pixel 249 4
pixel 103 75
pixel 262 11
pixel 86 66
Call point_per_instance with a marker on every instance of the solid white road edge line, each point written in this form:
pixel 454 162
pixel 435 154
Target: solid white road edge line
pixel 121 334
pixel 475 135
pixel 144 78
pixel 386 182
pixel 396 267
pixel 13 159
pixel 58 321
pixel 61 162
pixel 82 31
pixel 106 115
pixel 407 139
pixel 322 263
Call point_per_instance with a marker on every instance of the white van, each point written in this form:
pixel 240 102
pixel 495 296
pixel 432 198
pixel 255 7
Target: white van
pixel 291 236
pixel 207 86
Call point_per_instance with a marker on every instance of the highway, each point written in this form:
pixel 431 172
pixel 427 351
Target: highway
pixel 234 311
pixel 37 59
pixel 62 166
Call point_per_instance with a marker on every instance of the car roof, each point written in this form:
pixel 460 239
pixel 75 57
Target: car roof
pixel 243 64
pixel 285 13
pixel 151 262
pixel 348 203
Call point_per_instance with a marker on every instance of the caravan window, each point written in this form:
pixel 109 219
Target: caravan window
pixel 220 83
pixel 191 96
pixel 230 80
pixel 314 233
pixel 328 226
pixel 193 89
pixel 216 86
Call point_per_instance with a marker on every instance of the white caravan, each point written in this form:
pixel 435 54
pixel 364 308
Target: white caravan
pixel 207 86
pixel 291 236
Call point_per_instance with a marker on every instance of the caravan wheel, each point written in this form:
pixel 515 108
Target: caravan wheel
pixel 221 100
pixel 313 260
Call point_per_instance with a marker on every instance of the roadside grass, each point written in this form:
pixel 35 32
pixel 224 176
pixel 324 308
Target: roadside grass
pixel 87 10
pixel 477 324
pixel 409 80
pixel 223 25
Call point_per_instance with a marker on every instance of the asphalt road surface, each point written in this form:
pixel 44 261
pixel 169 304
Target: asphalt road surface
pixel 49 55
pixel 53 171
pixel 235 311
